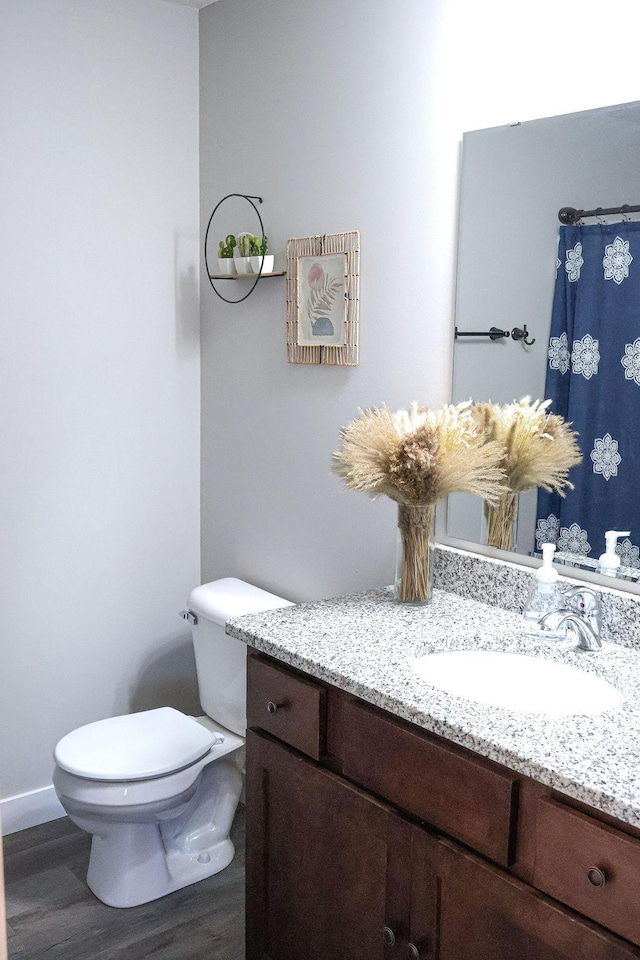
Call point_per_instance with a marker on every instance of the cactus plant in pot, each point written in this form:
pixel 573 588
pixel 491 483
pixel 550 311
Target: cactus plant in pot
pixel 226 263
pixel 259 259
pixel 243 259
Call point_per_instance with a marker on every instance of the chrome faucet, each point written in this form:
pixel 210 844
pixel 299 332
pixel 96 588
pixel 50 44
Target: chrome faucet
pixel 582 613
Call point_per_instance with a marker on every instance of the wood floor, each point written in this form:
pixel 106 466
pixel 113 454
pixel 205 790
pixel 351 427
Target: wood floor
pixel 52 914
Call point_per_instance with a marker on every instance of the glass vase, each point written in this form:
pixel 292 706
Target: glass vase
pixel 414 553
pixel 501 521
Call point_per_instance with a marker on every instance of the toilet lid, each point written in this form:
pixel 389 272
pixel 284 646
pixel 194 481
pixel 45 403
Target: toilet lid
pixel 134 747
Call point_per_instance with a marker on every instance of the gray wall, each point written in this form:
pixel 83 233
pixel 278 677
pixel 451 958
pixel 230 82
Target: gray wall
pixel 324 110
pixel 99 486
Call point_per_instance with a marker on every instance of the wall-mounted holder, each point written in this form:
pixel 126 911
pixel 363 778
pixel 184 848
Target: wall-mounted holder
pixel 246 276
pixel 213 276
pixel 521 333
pixel 494 333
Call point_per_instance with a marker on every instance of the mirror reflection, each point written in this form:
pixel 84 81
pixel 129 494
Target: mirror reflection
pixel 551 310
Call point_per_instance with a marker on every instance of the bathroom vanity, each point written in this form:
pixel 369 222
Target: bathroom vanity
pixel 389 819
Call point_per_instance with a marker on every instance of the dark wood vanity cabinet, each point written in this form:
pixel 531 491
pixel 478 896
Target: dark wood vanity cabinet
pixel 317 859
pixel 331 871
pixel 369 839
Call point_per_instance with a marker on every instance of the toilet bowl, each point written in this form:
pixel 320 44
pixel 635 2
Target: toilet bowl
pixel 158 790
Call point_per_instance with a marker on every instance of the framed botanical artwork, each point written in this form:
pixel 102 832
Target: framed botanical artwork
pixel 323 296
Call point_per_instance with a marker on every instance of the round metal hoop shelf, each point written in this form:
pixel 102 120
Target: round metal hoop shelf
pixel 249 200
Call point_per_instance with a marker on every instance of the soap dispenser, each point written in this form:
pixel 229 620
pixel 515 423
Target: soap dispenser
pixel 544 597
pixel 610 561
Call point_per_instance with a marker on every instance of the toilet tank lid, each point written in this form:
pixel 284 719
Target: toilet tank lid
pixel 136 746
pixel 222 599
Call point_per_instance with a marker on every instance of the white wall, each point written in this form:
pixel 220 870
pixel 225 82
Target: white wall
pixel 99 371
pixel 343 116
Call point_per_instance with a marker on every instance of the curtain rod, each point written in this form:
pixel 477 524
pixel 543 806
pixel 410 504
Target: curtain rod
pixel 569 215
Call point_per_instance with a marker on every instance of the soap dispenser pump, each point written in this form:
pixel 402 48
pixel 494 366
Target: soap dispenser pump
pixel 544 597
pixel 609 560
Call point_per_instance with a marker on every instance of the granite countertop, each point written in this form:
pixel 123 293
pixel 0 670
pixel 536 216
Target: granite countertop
pixel 364 644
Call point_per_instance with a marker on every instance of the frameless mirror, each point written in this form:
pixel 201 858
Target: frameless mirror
pixel 515 179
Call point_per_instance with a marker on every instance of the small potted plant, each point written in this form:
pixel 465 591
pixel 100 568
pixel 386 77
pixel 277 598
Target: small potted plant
pixel 259 258
pixel 243 259
pixel 225 256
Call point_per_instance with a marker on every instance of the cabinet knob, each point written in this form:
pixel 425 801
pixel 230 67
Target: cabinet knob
pixel 272 707
pixel 388 936
pixel 412 952
pixel 596 877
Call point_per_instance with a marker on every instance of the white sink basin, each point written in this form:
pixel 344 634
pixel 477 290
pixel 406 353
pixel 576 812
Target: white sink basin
pixel 517 682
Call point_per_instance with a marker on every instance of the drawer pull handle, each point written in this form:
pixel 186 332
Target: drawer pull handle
pixel 388 936
pixel 273 707
pixel 596 877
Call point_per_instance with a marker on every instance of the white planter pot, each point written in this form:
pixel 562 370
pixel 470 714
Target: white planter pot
pixel 226 266
pixel 243 265
pixel 268 263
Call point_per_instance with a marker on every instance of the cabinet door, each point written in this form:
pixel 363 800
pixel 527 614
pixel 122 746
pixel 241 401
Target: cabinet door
pixel 486 914
pixel 321 855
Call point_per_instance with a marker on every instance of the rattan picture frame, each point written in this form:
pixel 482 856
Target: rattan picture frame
pixel 323 299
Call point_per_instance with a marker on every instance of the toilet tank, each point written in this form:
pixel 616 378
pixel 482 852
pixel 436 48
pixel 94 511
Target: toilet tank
pixel 221 661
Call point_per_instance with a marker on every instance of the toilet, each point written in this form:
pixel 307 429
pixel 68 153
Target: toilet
pixel 158 790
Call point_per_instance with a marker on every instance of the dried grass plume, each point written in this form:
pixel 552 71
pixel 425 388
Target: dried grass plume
pixel 419 455
pixel 539 447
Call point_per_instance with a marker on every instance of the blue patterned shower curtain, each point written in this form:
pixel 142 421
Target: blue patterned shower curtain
pixel 593 380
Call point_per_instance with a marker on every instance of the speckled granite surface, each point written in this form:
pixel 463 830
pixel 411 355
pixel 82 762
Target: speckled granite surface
pixel 505 584
pixel 364 644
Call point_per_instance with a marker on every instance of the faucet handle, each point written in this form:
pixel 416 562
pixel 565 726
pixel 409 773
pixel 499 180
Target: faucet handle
pixel 583 600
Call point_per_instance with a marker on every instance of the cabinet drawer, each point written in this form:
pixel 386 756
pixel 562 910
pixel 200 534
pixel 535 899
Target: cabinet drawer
pixel 286 706
pixel 447 786
pixel 486 914
pixel 589 866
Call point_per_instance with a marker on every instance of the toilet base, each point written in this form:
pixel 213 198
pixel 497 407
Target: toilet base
pixel 133 863
pixel 145 873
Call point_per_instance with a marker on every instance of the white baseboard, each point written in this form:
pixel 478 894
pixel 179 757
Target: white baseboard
pixel 30 809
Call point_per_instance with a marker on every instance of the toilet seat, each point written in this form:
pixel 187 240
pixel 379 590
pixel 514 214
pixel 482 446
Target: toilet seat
pixel 78 792
pixel 136 746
